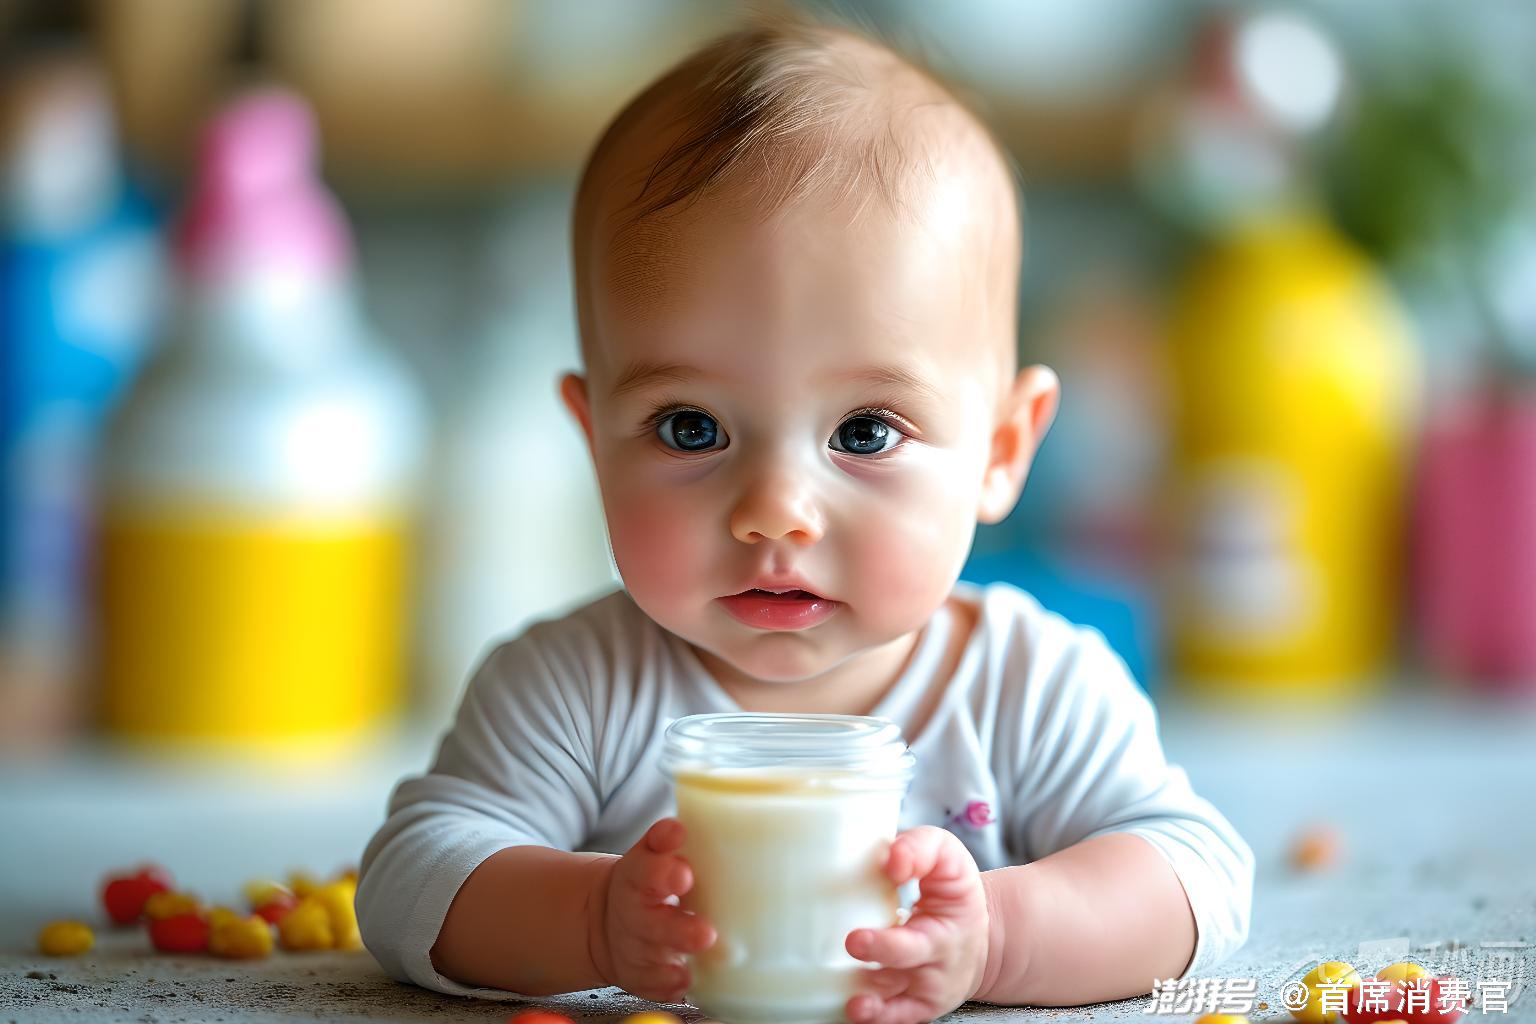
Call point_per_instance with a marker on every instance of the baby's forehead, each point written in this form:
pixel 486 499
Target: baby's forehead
pixel 807 294
pixel 846 150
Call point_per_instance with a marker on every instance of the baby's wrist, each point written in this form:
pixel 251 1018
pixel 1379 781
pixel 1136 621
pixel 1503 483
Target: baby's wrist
pixel 1008 955
pixel 599 879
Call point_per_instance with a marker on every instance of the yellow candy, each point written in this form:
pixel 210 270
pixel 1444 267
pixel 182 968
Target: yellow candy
pixel 169 904
pixel 659 1017
pixel 302 883
pixel 339 900
pixel 1404 971
pixel 65 938
pixel 240 938
pixel 1222 1018
pixel 1339 977
pixel 260 892
pixel 307 926
pixel 219 916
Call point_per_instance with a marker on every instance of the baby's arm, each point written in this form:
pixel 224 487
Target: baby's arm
pixel 1093 922
pixel 520 922
pixel 540 921
pixel 1129 876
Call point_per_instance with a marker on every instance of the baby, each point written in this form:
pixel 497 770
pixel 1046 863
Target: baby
pixel 796 262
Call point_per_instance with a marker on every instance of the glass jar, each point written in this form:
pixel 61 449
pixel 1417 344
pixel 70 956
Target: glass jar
pixel 788 818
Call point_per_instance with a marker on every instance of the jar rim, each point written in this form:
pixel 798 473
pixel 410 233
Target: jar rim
pixel 757 740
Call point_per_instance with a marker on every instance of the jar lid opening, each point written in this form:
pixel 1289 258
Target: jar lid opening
pixel 758 740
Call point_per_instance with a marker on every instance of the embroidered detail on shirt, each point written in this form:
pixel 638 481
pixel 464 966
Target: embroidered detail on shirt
pixel 976 814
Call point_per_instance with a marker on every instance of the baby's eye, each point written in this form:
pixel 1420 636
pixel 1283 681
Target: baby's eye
pixel 688 430
pixel 865 435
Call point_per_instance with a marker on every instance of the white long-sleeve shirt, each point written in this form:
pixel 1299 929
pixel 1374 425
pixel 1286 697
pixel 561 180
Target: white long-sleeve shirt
pixel 1040 740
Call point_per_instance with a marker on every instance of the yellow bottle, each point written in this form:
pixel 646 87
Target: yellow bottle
pixel 258 483
pixel 1293 377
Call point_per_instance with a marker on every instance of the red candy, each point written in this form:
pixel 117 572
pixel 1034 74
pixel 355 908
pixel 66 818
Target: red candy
pixel 539 1017
pixel 124 895
pixel 180 933
pixel 1389 1001
pixel 276 908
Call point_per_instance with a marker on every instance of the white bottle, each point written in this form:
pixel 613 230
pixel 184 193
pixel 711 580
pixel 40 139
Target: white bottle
pixel 259 483
pixel 515 529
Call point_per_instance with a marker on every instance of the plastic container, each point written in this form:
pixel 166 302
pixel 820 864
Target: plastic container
pixel 259 484
pixel 81 290
pixel 1295 379
pixel 788 818
pixel 1476 549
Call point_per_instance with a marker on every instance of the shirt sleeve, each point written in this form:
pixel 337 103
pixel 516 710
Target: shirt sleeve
pixel 1093 764
pixel 515 769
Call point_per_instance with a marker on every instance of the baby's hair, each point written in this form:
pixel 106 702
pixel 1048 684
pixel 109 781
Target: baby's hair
pixel 783 109
pixel 797 105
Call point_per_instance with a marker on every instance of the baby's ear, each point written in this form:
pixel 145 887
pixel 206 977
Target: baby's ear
pixel 1023 419
pixel 573 392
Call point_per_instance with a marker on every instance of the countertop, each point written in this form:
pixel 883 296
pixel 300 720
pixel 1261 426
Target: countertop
pixel 1434 799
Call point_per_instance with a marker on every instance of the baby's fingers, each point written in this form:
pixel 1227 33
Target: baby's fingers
pixel 933 856
pixel 673 929
pixel 665 836
pixel 868 1009
pixel 658 878
pixel 891 947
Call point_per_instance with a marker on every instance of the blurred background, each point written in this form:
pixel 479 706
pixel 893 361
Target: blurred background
pixel 284 296
pixel 278 425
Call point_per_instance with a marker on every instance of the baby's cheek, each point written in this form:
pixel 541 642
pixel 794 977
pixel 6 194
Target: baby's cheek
pixel 912 551
pixel 657 545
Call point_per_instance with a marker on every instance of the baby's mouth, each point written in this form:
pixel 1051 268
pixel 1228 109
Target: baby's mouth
pixel 788 595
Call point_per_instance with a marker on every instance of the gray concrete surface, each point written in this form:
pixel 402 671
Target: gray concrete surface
pixel 1434 798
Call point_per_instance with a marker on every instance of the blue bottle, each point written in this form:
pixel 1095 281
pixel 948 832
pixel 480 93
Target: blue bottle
pixel 80 297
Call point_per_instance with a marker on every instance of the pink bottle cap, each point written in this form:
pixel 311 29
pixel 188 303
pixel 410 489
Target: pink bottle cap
pixel 258 203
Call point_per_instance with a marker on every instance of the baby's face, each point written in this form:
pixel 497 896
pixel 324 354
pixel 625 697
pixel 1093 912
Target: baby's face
pixel 801 398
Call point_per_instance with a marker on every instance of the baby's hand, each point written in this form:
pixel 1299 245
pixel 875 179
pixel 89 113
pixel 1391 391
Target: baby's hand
pixel 935 961
pixel 639 941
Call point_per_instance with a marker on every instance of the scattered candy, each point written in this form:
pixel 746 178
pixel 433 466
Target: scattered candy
pixel 124 895
pixel 1317 848
pixel 1334 973
pixel 170 904
pixel 179 933
pixel 662 1017
pixel 264 890
pixel 238 937
pixel 65 938
pixel 306 913
pixel 1222 1018
pixel 1432 1001
pixel 307 926
pixel 539 1017
pixel 276 907
pixel 223 915
pixel 1405 970
pixel 302 883
pixel 339 899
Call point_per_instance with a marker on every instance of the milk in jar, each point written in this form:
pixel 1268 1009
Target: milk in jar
pixel 788 819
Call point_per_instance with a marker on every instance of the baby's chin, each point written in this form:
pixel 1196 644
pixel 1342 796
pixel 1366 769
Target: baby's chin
pixel 769 658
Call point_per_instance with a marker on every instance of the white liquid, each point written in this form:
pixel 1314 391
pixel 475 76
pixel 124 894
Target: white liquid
pixel 784 868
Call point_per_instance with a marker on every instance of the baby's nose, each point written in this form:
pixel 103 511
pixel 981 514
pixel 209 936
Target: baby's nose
pixel 777 504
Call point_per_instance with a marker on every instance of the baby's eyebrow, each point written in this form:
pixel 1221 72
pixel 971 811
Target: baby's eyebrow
pixel 898 378
pixel 640 376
